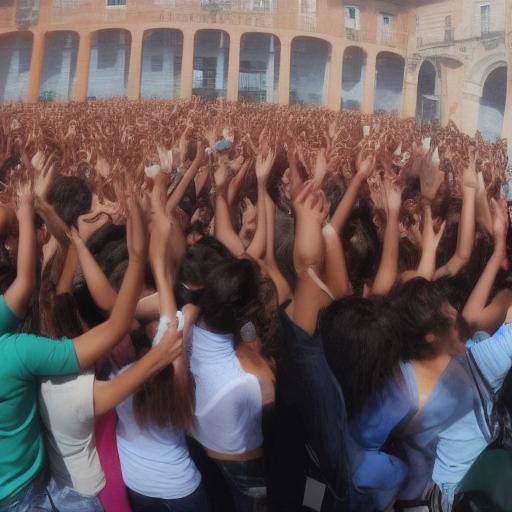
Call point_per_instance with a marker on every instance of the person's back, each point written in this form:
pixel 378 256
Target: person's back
pixel 228 400
pixel 25 358
pixel 154 460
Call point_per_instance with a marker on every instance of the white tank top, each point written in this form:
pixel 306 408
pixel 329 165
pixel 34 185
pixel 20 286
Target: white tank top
pixel 228 400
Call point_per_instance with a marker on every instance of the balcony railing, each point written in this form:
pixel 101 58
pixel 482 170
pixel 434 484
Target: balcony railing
pixel 436 32
pixel 386 37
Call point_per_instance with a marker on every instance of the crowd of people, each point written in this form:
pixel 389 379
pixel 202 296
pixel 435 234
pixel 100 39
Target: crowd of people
pixel 235 307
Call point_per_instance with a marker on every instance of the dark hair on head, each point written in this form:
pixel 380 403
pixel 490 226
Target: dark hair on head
pixel 166 400
pixel 231 295
pixel 362 344
pixel 66 320
pixel 71 197
pixel 201 258
pixel 363 247
pixel 418 306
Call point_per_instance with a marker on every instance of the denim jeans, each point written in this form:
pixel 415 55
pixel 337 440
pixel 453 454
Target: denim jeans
pixel 195 502
pixel 44 495
pixel 246 480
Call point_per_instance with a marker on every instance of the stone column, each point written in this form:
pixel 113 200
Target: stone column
pixel 471 110
pixel 271 67
pixel 187 63
pixel 410 92
pixel 284 72
pixel 233 67
pixel 370 74
pixel 507 119
pixel 133 89
pixel 82 67
pixel 335 78
pixel 36 67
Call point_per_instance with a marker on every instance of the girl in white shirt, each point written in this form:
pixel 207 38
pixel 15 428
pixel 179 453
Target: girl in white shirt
pixel 229 400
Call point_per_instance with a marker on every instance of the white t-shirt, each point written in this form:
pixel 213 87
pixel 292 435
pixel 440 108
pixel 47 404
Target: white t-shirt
pixel 155 461
pixel 67 411
pixel 228 400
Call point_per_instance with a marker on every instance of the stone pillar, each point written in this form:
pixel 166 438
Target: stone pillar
pixel 187 64
pixel 284 72
pixel 410 92
pixel 64 87
pixel 36 67
pixel 133 89
pixel 507 118
pixel 82 67
pixel 271 67
pixel 471 109
pixel 233 67
pixel 335 78
pixel 370 73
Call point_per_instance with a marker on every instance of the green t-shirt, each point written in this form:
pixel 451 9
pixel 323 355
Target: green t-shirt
pixel 24 358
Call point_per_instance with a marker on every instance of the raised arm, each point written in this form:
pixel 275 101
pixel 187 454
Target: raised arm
pixel 476 312
pixel 364 170
pixel 89 347
pixel 263 167
pixel 310 213
pixel 19 292
pixel 429 244
pixel 108 395
pixel 160 257
pixel 224 231
pixel 178 193
pixel 282 287
pixel 336 273
pixel 466 233
pixel 236 182
pixel 388 267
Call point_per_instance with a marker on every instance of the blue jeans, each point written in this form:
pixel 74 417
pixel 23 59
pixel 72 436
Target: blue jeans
pixel 44 495
pixel 246 480
pixel 195 502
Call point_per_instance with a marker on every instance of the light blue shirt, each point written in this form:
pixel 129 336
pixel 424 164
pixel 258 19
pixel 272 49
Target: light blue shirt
pixel 460 444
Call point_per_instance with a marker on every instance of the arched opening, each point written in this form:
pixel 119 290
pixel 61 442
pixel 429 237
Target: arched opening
pixel 161 63
pixel 15 57
pixel 492 104
pixel 59 66
pixel 428 103
pixel 259 67
pixel 211 58
pixel 309 72
pixel 109 63
pixel 389 82
pixel 354 61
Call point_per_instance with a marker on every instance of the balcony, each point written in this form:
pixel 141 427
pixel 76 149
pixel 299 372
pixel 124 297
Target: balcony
pixel 437 31
pixel 387 37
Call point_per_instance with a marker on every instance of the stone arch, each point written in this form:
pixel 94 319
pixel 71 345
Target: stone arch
pixel 389 83
pixel 260 54
pixel 162 50
pixel 428 104
pixel 354 65
pixel 309 72
pixel 211 59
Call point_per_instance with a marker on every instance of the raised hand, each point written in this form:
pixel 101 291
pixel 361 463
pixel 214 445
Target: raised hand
pixel 264 165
